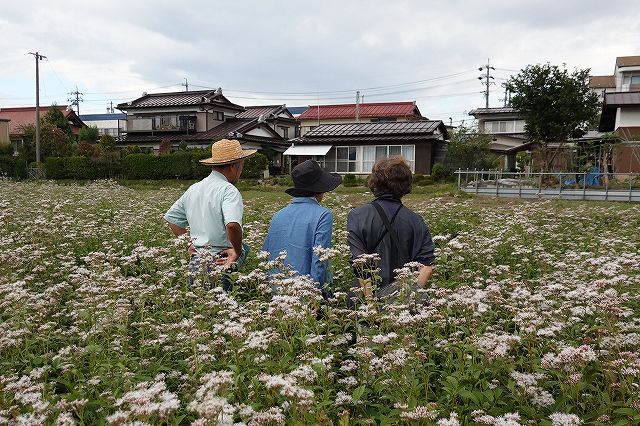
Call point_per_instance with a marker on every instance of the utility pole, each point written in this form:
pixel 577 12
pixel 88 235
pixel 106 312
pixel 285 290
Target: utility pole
pixel 76 101
pixel 487 81
pixel 357 106
pixel 185 84
pixel 38 59
pixel 111 105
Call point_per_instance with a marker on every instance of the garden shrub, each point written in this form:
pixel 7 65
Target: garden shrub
pixel 349 180
pixel 198 170
pixel 79 168
pixel 13 167
pixel 55 168
pixel 138 166
pixel 438 172
pixel 254 166
pixel 181 164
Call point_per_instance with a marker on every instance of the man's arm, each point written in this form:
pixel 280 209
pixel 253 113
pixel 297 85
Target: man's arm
pixel 234 234
pixel 177 230
pixel 425 273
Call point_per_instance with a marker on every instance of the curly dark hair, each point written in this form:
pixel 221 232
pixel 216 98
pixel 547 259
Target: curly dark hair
pixel 390 176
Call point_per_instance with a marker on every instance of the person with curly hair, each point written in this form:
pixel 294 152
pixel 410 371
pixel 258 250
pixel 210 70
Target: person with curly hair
pixel 386 227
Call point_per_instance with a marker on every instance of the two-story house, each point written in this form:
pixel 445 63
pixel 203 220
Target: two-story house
pixel 315 115
pixel 507 132
pixel 197 118
pixel 621 113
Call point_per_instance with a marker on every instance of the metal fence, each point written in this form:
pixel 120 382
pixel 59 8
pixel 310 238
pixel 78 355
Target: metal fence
pixel 560 185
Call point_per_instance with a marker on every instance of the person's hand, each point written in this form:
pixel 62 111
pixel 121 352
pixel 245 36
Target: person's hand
pixel 227 257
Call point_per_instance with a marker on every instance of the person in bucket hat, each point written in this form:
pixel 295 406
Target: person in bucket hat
pixel 305 224
pixel 212 209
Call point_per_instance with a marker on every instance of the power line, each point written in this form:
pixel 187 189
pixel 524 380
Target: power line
pixel 76 101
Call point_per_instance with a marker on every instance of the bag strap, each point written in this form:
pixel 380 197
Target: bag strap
pixel 385 221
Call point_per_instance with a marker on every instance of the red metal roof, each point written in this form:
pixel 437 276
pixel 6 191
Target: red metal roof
pixel 368 110
pixel 22 116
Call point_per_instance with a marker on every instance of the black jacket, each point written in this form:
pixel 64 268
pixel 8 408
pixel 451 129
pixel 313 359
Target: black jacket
pixel 365 229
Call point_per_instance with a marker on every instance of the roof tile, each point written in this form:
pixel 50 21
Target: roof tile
pixel 383 109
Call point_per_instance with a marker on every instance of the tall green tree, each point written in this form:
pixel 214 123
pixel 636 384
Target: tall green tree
pixel 556 104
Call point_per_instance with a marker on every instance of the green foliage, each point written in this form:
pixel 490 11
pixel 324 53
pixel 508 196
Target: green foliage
pixel 180 164
pixel 55 168
pixel 254 166
pixel 183 146
pixel 438 172
pixel 13 167
pixel 139 166
pixel 89 134
pixel 556 104
pixel 349 180
pixel 56 118
pixel 200 171
pixel 469 149
pixel 6 149
pixel 86 149
pixel 107 144
pixel 422 180
pixel 131 149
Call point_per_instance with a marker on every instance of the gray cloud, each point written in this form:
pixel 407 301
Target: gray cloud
pixel 310 47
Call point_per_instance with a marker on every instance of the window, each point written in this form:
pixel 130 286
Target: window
pixel 360 159
pixel 635 80
pixel 285 132
pixel 510 126
pixel 368 158
pixel 219 116
pixel 346 159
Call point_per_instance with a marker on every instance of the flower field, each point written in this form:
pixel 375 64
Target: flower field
pixel 533 318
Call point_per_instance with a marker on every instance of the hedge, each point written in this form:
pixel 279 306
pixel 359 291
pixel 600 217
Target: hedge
pixel 12 167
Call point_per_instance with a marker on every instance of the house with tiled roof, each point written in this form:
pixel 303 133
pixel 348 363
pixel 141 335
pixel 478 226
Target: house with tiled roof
pixel 278 117
pixel 506 128
pixel 19 117
pixel 352 148
pixel 315 115
pixel 196 117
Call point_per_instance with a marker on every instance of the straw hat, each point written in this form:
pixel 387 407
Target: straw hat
pixel 227 151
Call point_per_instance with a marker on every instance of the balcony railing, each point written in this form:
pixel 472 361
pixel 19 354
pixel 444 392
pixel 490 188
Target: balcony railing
pixel 164 123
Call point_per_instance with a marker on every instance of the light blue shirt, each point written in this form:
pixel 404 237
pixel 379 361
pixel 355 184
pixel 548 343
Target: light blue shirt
pixel 298 228
pixel 207 207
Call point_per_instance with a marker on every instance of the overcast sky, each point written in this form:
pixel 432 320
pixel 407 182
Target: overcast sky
pixel 293 52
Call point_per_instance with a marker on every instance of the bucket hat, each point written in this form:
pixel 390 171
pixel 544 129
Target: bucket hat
pixel 310 179
pixel 227 151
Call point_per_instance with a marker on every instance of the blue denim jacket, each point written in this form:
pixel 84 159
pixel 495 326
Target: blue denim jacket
pixel 298 228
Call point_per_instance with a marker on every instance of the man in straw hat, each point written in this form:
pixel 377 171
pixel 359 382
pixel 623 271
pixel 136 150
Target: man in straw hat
pixel 213 207
pixel 304 224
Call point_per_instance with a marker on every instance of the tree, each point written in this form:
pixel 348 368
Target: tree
pixel 107 144
pixel 56 118
pixel 165 146
pixel 54 142
pixel 470 149
pixel 89 134
pixel 556 104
